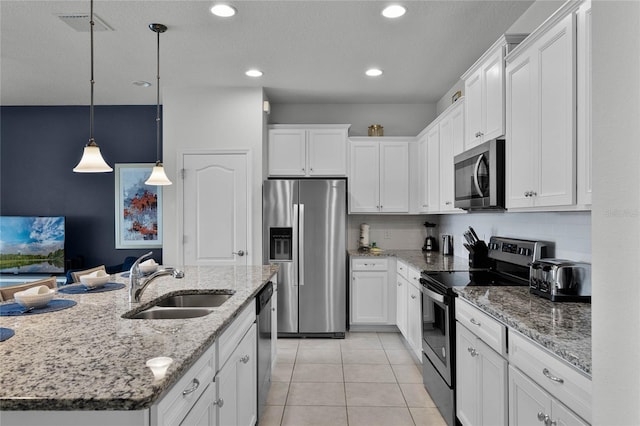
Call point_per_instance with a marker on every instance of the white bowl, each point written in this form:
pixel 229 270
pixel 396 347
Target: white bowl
pixel 149 268
pixel 95 281
pixel 34 300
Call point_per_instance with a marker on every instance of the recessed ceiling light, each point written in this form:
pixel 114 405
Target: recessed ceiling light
pixel 223 10
pixel 394 11
pixel 142 83
pixel 254 73
pixel 373 72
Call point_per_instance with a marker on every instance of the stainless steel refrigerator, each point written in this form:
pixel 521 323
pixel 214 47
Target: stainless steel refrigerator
pixel 304 225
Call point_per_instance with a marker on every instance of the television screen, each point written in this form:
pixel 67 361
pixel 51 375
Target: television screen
pixel 31 245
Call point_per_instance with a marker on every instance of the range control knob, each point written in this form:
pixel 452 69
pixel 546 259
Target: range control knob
pixel 494 246
pixel 523 251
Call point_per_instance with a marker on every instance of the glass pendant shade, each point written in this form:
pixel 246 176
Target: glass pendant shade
pixel 158 176
pixel 92 161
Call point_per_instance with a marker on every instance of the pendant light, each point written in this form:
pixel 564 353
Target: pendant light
pixel 158 176
pixel 92 161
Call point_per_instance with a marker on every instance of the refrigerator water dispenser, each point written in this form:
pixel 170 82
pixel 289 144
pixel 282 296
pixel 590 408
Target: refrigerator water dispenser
pixel 280 244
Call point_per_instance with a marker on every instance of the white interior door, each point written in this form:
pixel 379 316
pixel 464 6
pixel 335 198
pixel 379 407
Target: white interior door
pixel 215 209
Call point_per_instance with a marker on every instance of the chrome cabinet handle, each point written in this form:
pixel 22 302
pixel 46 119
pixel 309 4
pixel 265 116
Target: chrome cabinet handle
pixel 194 385
pixel 239 252
pixel 399 284
pixel 413 296
pixel 472 351
pixel 549 376
pixel 542 417
pixel 526 193
pixel 245 359
pixel 219 402
pixel 273 309
pixel 474 322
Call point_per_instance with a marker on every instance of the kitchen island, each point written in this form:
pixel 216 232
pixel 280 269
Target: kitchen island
pixel 89 357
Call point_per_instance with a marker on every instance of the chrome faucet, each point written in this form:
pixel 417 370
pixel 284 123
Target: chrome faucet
pixel 138 286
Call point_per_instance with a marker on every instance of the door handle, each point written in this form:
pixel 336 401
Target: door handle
pixel 301 245
pixel 239 252
pixel 475 175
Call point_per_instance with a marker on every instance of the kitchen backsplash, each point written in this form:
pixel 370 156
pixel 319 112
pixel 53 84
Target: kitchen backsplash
pixel 569 231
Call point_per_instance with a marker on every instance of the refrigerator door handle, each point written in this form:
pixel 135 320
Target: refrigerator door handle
pixel 301 245
pixel 295 243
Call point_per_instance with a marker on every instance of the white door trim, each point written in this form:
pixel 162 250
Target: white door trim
pixel 180 197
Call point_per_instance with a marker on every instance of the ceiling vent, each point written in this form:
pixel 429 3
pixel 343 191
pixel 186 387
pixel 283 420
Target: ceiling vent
pixel 80 22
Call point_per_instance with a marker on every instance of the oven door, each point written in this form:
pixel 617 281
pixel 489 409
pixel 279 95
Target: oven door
pixel 436 330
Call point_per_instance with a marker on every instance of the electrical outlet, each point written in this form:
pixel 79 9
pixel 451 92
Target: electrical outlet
pixel 387 234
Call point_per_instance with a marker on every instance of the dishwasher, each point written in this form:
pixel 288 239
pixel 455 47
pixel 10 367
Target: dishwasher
pixel 263 314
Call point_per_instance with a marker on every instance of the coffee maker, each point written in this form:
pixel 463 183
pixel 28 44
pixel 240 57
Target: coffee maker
pixel 430 243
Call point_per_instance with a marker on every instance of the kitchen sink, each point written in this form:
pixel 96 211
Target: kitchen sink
pixel 169 313
pixel 196 300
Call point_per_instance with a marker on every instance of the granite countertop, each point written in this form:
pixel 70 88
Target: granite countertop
pixel 423 261
pixel 90 358
pixel 562 328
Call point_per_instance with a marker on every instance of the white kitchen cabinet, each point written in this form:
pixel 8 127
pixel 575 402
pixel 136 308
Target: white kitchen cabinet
pixel 304 150
pixel 430 169
pixel 529 404
pixel 541 113
pixel 274 323
pixel 379 176
pixel 373 299
pixel 236 384
pixel 583 130
pixel 481 381
pixel 481 367
pixel 484 93
pixel 402 289
pixel 414 319
pixel 204 411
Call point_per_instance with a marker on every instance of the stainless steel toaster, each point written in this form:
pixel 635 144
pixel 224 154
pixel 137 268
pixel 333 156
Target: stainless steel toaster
pixel 561 280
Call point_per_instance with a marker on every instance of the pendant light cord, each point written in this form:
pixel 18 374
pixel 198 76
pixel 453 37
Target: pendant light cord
pixel 91 139
pixel 158 104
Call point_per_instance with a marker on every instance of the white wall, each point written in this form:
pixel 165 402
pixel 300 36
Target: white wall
pixel 211 119
pixel 616 212
pixel 570 231
pixel 397 119
pixel 389 232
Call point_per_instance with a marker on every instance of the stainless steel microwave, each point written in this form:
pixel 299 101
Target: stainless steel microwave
pixel 479 177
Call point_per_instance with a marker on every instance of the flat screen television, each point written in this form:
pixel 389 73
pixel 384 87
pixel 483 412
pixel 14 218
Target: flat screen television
pixel 32 244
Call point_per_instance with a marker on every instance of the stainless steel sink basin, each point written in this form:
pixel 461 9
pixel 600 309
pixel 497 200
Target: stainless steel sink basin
pixel 195 300
pixel 170 313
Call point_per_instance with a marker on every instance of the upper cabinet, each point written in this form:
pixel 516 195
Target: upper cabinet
pixel 484 93
pixel 438 144
pixel 541 115
pixel 308 150
pixel 379 175
pixel 584 103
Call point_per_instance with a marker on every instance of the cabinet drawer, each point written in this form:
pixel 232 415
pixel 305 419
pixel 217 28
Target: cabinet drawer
pixel 369 264
pixel 183 395
pixel 414 277
pixel 562 381
pixel 402 269
pixel 231 337
pixel 490 330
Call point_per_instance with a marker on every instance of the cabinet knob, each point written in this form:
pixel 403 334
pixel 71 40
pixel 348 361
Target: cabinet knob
pixel 273 309
pixel 533 193
pixel 311 169
pixel 448 203
pixel 542 416
pixel 413 296
pixel 526 193
pixel 194 385
pixel 245 359
pixel 472 351
pixel 399 284
pixel 303 169
pixel 219 402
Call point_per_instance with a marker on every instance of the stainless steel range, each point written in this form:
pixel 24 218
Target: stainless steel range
pixel 509 261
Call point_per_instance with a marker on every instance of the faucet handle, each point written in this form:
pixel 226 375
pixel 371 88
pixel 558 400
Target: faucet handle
pixel 178 273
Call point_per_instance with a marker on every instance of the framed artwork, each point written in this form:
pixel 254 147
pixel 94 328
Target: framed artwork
pixel 138 208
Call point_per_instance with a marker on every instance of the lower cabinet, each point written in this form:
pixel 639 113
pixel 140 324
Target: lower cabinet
pixel 529 404
pixel 203 412
pixel 408 306
pixel 414 320
pixel 481 381
pixel 373 300
pixel 236 384
pixel 401 304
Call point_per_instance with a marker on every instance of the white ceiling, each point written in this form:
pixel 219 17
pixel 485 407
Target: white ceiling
pixel 309 51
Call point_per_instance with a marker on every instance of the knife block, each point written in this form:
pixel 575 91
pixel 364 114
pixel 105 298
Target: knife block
pixel 480 257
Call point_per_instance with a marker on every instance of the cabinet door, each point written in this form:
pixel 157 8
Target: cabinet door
pixel 287 152
pixel 493 96
pixel 364 182
pixel 562 416
pixel 473 109
pixel 203 412
pixel 414 320
pixel 327 152
pixel 247 373
pixel 447 145
pixel 394 177
pixel 492 392
pixel 274 325
pixel 433 169
pixel 521 159
pixel 369 304
pixel 401 304
pixel 555 52
pixel 526 400
pixel 423 184
pixel 457 127
pixel 583 97
pixel 227 389
pixel 466 377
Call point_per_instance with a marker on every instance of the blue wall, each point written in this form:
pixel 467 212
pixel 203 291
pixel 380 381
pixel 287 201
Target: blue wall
pixel 39 147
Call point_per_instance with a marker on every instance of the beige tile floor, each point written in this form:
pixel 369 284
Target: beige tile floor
pixel 366 379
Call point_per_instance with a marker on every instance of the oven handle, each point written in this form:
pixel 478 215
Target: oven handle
pixel 432 294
